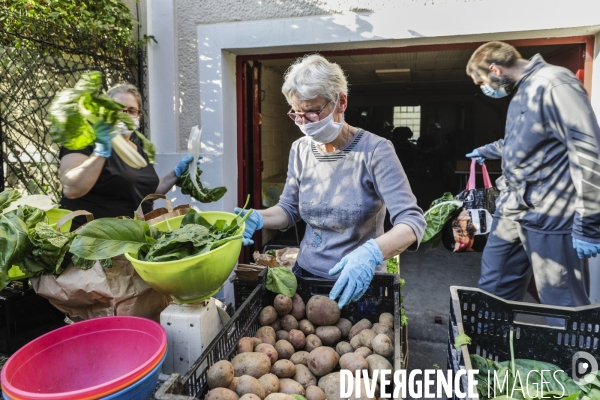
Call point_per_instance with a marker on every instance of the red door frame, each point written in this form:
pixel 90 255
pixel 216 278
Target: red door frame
pixel 584 73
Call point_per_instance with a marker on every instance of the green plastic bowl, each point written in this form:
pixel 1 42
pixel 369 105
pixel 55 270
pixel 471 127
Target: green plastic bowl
pixel 194 278
pixel 54 214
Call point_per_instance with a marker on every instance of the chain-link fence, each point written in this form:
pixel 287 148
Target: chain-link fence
pixel 34 66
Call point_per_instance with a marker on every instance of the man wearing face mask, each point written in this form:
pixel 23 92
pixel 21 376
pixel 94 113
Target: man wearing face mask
pixel 95 179
pixel 547 219
pixel 340 180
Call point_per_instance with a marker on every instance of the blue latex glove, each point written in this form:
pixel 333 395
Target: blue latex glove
pixel 254 222
pixel 586 249
pixel 104 133
pixel 474 154
pixel 357 269
pixel 182 165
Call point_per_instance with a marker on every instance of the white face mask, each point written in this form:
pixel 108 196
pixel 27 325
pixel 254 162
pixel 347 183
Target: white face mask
pixel 123 128
pixel 325 130
pixel 489 90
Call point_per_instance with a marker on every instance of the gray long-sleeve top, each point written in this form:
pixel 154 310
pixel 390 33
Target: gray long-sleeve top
pixel 342 197
pixel 550 165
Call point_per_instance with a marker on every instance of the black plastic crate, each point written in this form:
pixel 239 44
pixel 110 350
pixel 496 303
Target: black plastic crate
pixel 383 295
pixel 242 290
pixel 488 319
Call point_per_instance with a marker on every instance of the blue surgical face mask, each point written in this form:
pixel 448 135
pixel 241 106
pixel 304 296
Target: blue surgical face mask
pixel 490 91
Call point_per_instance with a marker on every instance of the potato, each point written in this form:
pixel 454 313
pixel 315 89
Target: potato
pixel 355 342
pixel 249 384
pixel 276 325
pixel 306 327
pixel 330 385
pixel 386 330
pixel 377 362
pixel 266 334
pixel 344 325
pixel 315 393
pixel 269 350
pixel 288 322
pixel 387 319
pixel 364 352
pixel 383 346
pixel 257 341
pixel 233 385
pixel 322 360
pixel 304 377
pixel 290 386
pixel 220 374
pixel 298 307
pixel 253 364
pixel 366 337
pixel 284 349
pixel 283 369
pixel 221 394
pixel 359 326
pixel 300 357
pixel 321 310
pixel 283 304
pixel 250 396
pixel 279 396
pixel 329 335
pixel 353 362
pixel 282 335
pixel 270 383
pixel 245 344
pixel 267 316
pixel 297 339
pixel 312 342
pixel 343 348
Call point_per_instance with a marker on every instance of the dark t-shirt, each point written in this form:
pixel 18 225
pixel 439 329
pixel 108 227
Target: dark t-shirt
pixel 118 191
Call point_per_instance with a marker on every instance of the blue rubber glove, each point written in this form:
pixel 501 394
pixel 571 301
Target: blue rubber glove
pixel 254 222
pixel 357 270
pixel 475 153
pixel 586 249
pixel 182 165
pixel 104 132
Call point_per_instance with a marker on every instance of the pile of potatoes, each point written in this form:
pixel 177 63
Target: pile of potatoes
pixel 297 351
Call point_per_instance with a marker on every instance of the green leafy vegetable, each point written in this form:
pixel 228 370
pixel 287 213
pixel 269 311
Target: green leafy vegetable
pixel 49 251
pixel 298 397
pixel 392 265
pixel 281 280
pixel 461 340
pixel 7 197
pixel 439 212
pixel 205 195
pixel 30 215
pixel 13 243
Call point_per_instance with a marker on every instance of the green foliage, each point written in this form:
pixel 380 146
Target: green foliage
pixel 439 212
pixel 461 340
pixel 392 265
pixel 281 280
pixel 109 20
pixel 13 243
pixel 205 195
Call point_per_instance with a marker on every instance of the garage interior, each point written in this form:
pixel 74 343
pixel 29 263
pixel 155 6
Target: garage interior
pixel 423 88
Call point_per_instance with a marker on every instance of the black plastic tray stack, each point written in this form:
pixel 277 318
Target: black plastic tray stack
pixel 487 320
pixel 383 295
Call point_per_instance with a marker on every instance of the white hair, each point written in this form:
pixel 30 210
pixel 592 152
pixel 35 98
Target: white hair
pixel 312 76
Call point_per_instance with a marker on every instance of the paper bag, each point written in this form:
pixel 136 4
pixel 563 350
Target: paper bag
pixel 100 292
pixel 160 214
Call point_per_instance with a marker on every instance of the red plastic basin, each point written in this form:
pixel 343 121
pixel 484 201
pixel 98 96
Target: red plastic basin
pixel 85 360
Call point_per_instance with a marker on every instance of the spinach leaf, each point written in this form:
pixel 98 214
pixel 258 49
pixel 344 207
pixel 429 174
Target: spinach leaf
pixel 109 237
pixel 30 215
pixel 188 240
pixel 281 280
pixel 193 217
pixel 7 197
pixel 13 243
pixel 204 195
pixel 49 251
pixel 439 212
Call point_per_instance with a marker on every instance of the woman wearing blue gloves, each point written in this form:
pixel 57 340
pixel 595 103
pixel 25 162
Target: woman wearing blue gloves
pixel 95 179
pixel 340 181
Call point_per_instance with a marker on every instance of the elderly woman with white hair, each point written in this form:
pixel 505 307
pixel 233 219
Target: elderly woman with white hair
pixel 340 181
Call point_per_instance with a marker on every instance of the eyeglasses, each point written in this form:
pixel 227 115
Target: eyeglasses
pixel 312 116
pixel 132 112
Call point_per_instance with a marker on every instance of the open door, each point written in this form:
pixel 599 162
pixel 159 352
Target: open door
pixel 250 165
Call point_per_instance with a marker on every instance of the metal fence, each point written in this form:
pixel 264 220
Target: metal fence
pixel 35 65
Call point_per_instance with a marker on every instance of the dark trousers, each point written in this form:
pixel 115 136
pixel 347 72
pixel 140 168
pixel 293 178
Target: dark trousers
pixel 512 254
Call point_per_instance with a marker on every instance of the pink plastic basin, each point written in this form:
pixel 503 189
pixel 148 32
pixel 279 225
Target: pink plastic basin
pixel 85 360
